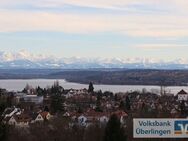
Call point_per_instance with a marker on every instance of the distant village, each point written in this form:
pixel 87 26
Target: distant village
pixel 84 107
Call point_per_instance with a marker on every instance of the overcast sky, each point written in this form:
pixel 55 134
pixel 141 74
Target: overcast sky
pixel 96 28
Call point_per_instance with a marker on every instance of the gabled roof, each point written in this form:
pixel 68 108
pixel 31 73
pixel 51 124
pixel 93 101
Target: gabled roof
pixel 6 119
pixel 8 111
pixel 66 114
pixel 44 114
pixel 182 92
pixel 120 114
pixel 22 118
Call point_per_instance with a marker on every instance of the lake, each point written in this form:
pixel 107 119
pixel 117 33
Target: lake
pixel 19 84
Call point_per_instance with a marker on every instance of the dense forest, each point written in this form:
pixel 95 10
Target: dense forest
pixel 105 76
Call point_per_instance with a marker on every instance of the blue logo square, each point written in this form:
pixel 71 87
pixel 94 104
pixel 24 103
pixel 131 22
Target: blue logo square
pixel 181 127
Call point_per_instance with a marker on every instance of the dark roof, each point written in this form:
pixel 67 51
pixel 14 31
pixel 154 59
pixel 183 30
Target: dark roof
pixel 22 118
pixel 6 119
pixel 33 115
pixel 8 111
pixel 182 92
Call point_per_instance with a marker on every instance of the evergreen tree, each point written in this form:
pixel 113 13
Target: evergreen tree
pixel 182 108
pixel 9 101
pixel 91 88
pixel 57 103
pixel 46 109
pixel 116 97
pixel 57 99
pixel 114 131
pixel 56 88
pixel 80 110
pixel 3 105
pixel 40 91
pixel 127 103
pixel 122 105
pixel 98 102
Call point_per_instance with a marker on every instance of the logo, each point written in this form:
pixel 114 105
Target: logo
pixel 160 128
pixel 181 127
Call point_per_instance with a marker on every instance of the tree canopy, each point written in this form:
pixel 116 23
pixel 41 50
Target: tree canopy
pixel 114 131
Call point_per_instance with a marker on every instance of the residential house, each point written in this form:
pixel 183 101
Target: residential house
pixel 82 120
pixel 22 120
pixel 40 117
pixel 9 112
pixel 46 115
pixel 89 117
pixel 182 96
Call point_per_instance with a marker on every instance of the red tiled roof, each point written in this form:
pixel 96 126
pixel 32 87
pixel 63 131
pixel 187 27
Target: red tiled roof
pixel 120 114
pixel 44 114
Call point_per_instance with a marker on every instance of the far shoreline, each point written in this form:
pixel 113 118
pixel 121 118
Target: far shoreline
pixel 75 82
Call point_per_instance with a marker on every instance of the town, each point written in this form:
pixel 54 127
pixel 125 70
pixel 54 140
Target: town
pixel 84 112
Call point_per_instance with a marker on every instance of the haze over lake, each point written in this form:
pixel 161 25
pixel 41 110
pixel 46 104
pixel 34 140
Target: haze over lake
pixel 19 84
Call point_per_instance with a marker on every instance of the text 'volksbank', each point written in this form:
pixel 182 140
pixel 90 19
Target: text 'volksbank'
pixel 160 128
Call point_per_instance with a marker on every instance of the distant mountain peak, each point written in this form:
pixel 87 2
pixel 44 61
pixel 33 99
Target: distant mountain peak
pixel 24 59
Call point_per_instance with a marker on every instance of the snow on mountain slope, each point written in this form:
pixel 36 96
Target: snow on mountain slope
pixel 26 60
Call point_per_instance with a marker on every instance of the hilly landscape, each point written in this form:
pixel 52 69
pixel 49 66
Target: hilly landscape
pixel 24 65
pixel 103 76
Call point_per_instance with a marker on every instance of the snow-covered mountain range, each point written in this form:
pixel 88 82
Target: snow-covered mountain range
pixel 26 60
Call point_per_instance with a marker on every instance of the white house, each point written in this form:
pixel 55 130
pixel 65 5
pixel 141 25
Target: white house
pixel 182 96
pixel 42 116
pixel 9 112
pixel 82 120
pixel 22 120
pixel 39 118
pixel 12 121
pixel 103 119
pixel 67 114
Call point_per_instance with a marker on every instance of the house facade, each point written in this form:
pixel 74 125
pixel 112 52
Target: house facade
pixel 182 96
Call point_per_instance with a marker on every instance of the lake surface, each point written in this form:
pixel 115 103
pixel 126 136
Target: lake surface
pixel 19 84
